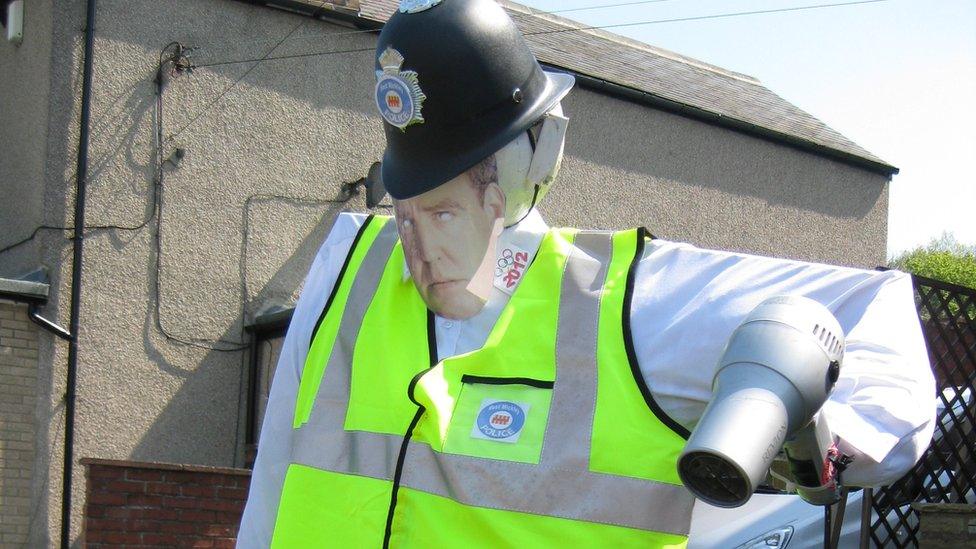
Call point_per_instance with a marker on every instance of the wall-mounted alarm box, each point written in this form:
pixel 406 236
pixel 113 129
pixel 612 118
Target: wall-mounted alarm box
pixel 12 19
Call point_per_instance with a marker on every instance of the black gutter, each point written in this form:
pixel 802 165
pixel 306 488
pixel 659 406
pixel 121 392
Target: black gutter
pixel 46 324
pixel 81 178
pixel 252 391
pixel 22 297
pixel 651 100
pixel 34 295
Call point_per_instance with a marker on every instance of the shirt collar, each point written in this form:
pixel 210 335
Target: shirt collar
pixel 526 234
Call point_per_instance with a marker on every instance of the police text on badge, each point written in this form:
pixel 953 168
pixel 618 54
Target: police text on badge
pixel 398 94
pixel 500 420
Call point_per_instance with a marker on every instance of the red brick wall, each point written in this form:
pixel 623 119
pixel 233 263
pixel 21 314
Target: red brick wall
pixel 134 504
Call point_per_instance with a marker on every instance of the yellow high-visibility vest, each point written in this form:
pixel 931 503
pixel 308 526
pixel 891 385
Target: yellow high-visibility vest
pixel 546 436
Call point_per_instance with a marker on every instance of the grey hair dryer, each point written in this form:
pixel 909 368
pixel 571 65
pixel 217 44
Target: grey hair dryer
pixel 776 372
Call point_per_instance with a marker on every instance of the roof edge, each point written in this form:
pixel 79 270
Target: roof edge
pixel 656 101
pixel 23 291
pixel 326 11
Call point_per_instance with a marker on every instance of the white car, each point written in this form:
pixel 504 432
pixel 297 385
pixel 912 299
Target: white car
pixel 770 520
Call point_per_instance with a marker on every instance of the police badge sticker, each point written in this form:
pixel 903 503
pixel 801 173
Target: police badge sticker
pixel 500 420
pixel 398 94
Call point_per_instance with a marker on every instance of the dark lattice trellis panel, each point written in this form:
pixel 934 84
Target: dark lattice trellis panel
pixel 947 472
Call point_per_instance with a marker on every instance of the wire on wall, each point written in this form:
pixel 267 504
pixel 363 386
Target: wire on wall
pixel 179 63
pixel 174 62
pixel 170 67
pixel 173 66
pixel 70 230
pixel 258 61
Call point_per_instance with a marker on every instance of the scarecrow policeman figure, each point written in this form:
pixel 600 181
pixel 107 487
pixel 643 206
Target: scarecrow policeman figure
pixel 461 375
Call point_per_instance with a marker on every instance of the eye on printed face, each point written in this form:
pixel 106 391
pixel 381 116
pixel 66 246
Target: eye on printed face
pixel 448 236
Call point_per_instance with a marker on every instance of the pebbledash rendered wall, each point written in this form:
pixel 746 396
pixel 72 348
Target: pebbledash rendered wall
pixel 240 217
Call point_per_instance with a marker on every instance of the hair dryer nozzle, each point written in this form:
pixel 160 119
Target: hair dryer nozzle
pixel 729 453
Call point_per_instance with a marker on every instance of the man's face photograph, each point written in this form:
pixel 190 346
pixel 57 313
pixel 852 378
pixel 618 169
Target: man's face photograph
pixel 449 235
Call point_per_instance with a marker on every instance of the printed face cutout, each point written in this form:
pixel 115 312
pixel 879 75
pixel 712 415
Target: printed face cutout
pixel 449 237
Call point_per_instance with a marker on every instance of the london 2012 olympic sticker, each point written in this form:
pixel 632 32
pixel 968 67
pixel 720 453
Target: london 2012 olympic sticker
pixel 509 268
pixel 398 94
pixel 500 420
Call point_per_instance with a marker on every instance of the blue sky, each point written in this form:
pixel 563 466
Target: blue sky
pixel 898 77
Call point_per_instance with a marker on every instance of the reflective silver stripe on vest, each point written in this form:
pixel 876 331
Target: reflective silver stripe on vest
pixel 322 442
pixel 561 485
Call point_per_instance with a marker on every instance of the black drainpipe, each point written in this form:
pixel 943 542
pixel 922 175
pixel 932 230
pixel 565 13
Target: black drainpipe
pixel 81 178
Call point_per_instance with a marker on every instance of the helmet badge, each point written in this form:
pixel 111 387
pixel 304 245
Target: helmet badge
pixel 414 6
pixel 398 94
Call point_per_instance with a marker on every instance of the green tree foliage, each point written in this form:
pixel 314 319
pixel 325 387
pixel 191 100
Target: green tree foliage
pixel 947 260
pixel 943 259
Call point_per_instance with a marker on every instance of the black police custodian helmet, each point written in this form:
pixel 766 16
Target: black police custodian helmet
pixel 455 83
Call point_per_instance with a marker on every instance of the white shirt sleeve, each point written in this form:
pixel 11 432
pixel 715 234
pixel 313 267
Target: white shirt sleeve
pixel 274 449
pixel 687 301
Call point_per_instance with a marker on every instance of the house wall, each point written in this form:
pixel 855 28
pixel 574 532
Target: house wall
pixel 629 165
pixel 162 363
pixel 25 72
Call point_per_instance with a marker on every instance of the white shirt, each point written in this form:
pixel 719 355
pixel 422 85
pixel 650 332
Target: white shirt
pixel 686 303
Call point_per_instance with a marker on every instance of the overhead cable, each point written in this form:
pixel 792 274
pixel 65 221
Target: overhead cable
pixel 515 15
pixel 294 29
pixel 557 31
